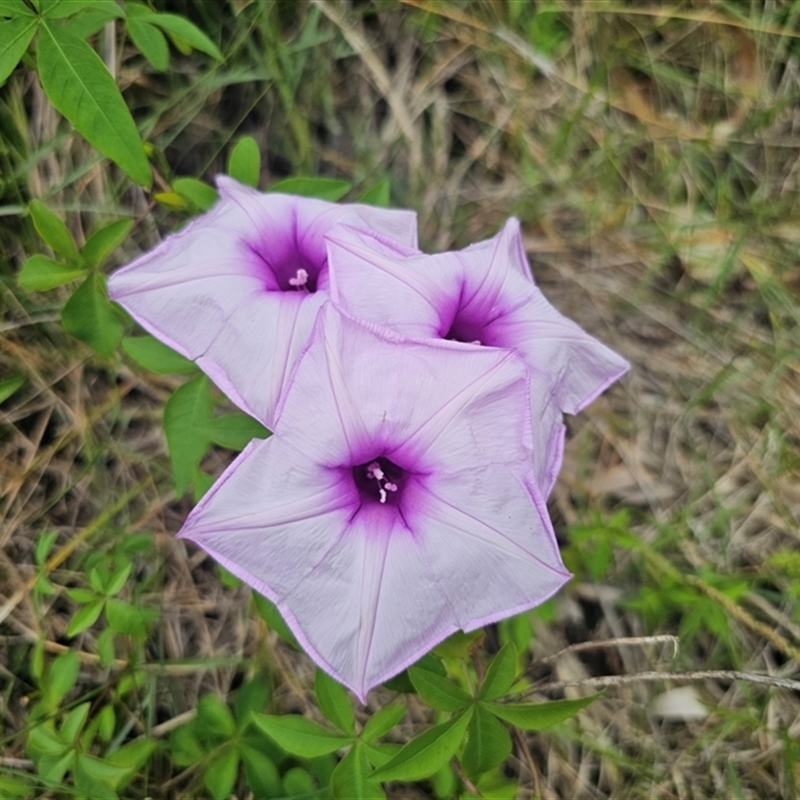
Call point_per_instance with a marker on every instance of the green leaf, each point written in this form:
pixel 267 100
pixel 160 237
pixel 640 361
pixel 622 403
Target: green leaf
pixel 90 317
pixel 97 778
pixel 350 779
pixel 244 163
pixel 330 189
pixel 216 716
pixel 187 32
pixel 334 702
pixel 438 692
pixel 156 357
pixel 252 697
pixel 378 195
pixel 459 645
pixel 106 723
pixel 53 231
pixel 151 43
pixel 15 36
pixel 118 578
pixel 219 776
pixel 300 736
pixel 263 778
pixel 40 274
pixel 15 8
pixel 88 22
pixel 53 767
pixel 43 740
pixel 63 674
pixel 402 683
pixel 187 416
pixel 235 431
pixel 85 617
pixel 538 716
pixel 58 9
pixel 297 782
pixel 15 786
pixel 105 240
pixel 78 84
pixel 74 721
pixel 128 619
pixel 9 386
pixel 501 673
pixel 426 753
pixel 105 647
pixel 382 721
pixel 131 757
pixel 82 596
pixel 269 612
pixel 198 193
pixel 488 744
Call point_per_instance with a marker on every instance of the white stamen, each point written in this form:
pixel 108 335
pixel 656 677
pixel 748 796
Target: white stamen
pixel 374 472
pixel 474 341
pixel 300 279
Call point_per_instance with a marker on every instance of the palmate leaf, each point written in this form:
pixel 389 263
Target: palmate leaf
pixel 426 753
pixel 80 87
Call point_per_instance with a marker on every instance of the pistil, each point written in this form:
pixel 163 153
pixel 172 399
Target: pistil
pixel 300 280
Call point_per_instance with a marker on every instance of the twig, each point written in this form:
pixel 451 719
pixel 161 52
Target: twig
pixel 626 641
pixel 16 763
pixel 700 675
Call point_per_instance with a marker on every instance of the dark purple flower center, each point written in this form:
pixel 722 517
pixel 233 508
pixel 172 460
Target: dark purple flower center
pixel 379 480
pixel 286 266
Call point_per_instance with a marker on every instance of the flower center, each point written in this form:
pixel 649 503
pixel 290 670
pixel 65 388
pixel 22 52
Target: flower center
pixel 379 480
pixel 286 266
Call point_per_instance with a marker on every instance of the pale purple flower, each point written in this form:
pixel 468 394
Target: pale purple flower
pixel 483 295
pixel 238 289
pixel 394 504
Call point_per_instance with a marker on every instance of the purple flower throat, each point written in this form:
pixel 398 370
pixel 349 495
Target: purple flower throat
pixel 379 480
pixel 287 266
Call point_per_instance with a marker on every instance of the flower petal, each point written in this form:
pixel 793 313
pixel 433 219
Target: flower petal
pixel 488 535
pixel 377 281
pixel 272 516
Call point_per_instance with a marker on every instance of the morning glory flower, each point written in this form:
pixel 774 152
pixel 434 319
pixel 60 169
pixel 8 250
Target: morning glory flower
pixel 394 504
pixel 238 289
pixel 483 295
